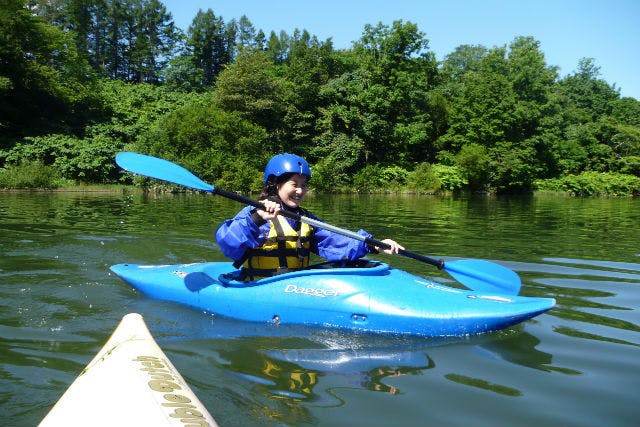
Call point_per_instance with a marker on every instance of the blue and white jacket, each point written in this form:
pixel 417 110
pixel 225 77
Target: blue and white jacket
pixel 236 235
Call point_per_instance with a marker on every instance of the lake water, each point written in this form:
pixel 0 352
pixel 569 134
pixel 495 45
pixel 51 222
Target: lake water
pixel 576 365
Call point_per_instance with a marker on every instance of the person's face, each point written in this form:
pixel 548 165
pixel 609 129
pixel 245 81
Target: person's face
pixel 293 190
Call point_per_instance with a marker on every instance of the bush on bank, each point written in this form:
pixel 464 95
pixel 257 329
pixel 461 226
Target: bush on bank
pixel 29 175
pixel 592 184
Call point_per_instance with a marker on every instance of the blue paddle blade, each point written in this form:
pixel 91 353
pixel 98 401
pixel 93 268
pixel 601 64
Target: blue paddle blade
pixel 484 276
pixel 164 170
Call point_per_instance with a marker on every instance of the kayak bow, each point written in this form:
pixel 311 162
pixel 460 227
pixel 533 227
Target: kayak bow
pixel 130 382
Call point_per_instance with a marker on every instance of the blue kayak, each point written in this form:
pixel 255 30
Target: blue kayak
pixel 367 296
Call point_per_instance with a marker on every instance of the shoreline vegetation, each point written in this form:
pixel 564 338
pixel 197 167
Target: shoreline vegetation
pixel 79 85
pixel 585 185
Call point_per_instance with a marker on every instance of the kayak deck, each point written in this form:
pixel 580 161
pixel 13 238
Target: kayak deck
pixel 129 382
pixel 372 297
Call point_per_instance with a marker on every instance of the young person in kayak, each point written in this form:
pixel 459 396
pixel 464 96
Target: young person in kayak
pixel 266 243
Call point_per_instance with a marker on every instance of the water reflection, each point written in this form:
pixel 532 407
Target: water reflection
pixel 483 384
pixel 281 365
pixel 280 377
pixel 362 368
pixel 521 349
pixel 586 300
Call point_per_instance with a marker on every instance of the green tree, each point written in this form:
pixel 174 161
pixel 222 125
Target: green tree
pixel 463 59
pixel 626 111
pixel 482 111
pixel 223 147
pixel 501 102
pixel 586 96
pixel 181 74
pixel 277 46
pixel 131 40
pixel 625 137
pixel 247 37
pixel 153 42
pixel 249 88
pixel 590 138
pixel 309 65
pixel 44 83
pixel 383 99
pixel 208 41
pixel 474 161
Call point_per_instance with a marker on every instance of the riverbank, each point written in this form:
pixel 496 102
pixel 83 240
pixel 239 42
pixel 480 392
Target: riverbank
pixel 78 189
pixel 587 184
pixel 38 177
pixel 132 189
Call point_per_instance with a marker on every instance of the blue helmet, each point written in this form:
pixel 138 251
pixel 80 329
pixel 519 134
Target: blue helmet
pixel 286 163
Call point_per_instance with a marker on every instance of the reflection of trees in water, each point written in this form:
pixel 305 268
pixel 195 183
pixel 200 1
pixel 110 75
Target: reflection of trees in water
pixel 521 350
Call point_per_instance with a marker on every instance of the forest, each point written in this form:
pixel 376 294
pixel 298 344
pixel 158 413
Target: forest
pixel 81 80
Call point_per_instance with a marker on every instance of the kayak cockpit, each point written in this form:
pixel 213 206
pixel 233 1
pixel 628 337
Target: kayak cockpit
pixel 361 267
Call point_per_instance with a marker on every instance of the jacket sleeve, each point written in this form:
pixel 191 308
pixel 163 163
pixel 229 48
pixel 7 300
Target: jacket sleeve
pixel 336 247
pixel 236 235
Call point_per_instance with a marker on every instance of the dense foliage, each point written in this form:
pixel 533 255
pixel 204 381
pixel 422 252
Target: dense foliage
pixel 81 80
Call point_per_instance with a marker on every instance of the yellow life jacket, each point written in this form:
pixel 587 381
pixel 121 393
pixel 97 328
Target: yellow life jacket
pixel 284 249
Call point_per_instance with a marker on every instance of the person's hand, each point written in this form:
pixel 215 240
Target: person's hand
pixel 270 210
pixel 394 249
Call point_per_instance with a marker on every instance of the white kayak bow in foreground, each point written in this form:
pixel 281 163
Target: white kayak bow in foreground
pixel 130 382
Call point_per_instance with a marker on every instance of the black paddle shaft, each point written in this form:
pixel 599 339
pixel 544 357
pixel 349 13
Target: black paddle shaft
pixel 319 224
